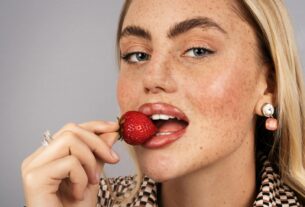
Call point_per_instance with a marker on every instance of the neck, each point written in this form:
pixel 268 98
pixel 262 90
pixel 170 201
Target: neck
pixel 228 182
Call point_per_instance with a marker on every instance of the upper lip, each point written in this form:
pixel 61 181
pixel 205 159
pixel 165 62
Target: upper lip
pixel 162 108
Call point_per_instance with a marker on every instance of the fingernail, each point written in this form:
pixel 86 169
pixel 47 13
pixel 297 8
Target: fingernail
pixel 111 122
pixel 97 177
pixel 114 154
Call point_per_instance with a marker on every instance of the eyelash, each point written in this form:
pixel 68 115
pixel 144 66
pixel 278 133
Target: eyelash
pixel 205 50
pixel 126 56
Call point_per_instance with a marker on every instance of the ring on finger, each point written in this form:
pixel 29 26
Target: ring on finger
pixel 47 138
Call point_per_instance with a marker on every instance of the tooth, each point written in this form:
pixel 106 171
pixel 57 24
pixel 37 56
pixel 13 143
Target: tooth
pixel 164 117
pixel 163 133
pixel 155 117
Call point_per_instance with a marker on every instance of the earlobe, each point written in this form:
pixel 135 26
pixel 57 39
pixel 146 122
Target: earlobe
pixel 265 107
pixel 266 98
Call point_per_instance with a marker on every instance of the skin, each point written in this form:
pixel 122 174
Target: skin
pixel 221 93
pixel 66 172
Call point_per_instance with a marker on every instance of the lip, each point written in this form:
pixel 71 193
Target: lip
pixel 163 108
pixel 161 141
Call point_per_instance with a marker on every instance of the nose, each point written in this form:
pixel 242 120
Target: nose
pixel 158 78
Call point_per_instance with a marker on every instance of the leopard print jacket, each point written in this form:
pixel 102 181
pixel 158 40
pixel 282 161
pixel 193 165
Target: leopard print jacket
pixel 272 192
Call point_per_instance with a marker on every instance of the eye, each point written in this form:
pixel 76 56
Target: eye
pixel 198 52
pixel 135 57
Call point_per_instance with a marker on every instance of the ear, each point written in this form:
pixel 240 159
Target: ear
pixel 267 88
pixel 266 98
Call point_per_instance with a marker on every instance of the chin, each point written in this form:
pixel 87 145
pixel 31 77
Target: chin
pixel 160 170
pixel 158 175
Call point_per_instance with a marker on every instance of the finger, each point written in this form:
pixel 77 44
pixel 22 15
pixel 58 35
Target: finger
pixel 57 171
pixel 76 175
pixel 29 159
pixel 110 138
pixel 99 169
pixel 97 145
pixel 68 145
pixel 97 127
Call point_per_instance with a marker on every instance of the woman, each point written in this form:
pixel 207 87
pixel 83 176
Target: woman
pixel 221 67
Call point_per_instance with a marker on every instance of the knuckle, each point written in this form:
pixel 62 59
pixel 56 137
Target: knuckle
pixel 23 165
pixel 101 122
pixel 24 171
pixel 69 135
pixel 30 178
pixel 70 125
pixel 68 139
pixel 73 160
pixel 96 122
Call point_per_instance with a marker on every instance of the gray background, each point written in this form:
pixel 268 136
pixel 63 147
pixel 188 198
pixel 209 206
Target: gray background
pixel 57 65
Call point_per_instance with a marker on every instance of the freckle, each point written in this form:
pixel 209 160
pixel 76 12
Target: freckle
pixel 200 147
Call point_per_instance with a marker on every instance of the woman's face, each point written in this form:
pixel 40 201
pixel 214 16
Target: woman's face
pixel 200 57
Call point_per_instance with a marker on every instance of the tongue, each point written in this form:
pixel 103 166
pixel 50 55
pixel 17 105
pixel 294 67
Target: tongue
pixel 171 125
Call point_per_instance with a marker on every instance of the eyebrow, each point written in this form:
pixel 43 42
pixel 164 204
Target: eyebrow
pixel 186 25
pixel 137 31
pixel 176 30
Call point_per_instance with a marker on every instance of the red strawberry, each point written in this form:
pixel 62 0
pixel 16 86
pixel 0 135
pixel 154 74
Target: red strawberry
pixel 136 128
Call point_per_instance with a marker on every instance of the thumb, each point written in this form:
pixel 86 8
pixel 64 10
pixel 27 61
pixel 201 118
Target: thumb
pixel 110 138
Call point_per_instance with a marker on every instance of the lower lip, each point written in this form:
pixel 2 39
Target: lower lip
pixel 161 141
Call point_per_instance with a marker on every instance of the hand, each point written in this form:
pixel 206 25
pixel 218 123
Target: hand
pixel 66 172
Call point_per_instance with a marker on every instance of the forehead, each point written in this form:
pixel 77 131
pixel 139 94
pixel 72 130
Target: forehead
pixel 163 13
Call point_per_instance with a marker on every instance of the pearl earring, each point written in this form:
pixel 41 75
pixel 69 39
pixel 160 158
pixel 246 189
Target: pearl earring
pixel 268 111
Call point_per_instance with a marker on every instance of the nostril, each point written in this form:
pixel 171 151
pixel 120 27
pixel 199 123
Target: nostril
pixel 156 90
pixel 146 90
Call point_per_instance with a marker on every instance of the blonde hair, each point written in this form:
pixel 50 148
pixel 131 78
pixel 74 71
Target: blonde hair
pixel 276 39
pixel 288 149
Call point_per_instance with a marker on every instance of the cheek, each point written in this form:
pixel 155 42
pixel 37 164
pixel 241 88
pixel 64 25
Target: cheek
pixel 221 114
pixel 230 93
pixel 223 105
pixel 126 92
